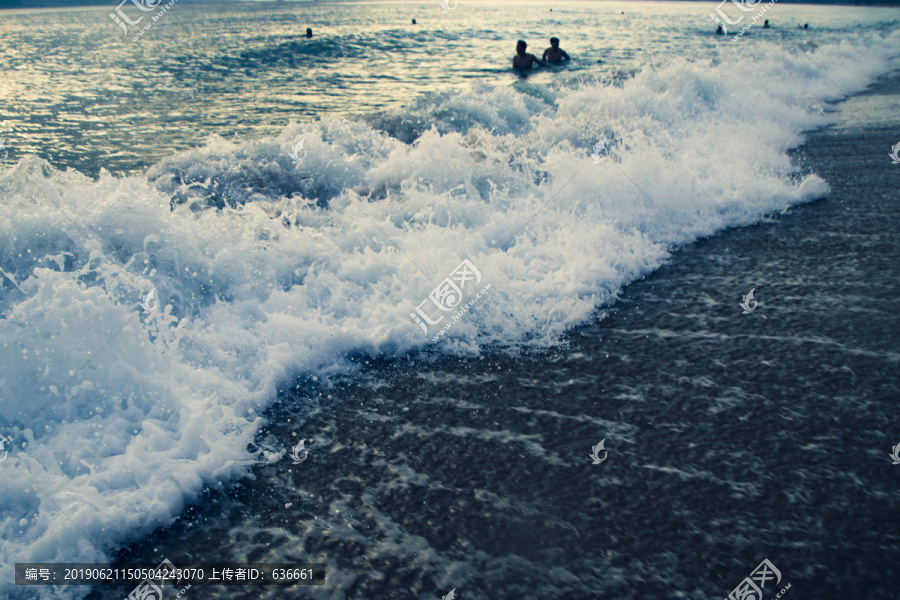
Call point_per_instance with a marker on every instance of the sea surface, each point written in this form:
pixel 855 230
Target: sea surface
pixel 221 238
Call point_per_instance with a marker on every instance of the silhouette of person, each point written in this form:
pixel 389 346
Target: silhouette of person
pixel 766 24
pixel 554 54
pixel 414 22
pixel 309 32
pixel 522 60
pixel 719 30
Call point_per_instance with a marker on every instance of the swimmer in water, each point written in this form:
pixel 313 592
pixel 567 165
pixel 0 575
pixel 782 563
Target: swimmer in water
pixel 522 60
pixel 766 24
pixel 309 32
pixel 554 54
pixel 719 30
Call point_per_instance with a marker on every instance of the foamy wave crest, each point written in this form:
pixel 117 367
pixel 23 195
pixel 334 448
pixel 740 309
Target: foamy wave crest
pixel 265 270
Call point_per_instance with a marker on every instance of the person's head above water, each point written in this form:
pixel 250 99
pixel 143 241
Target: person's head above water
pixel 309 32
pixel 554 55
pixel 520 46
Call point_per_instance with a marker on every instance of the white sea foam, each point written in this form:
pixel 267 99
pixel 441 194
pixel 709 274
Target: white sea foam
pixel 120 417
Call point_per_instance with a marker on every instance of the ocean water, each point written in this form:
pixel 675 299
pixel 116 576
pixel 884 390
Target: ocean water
pixel 285 290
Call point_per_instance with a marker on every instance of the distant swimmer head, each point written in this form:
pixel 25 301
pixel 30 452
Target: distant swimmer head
pixel 806 26
pixel 719 30
pixel 521 45
pixel 309 32
pixel 414 22
pixel 554 42
pixel 766 24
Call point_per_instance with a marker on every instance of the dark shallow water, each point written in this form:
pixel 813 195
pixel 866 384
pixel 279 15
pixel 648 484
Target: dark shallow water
pixel 732 438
